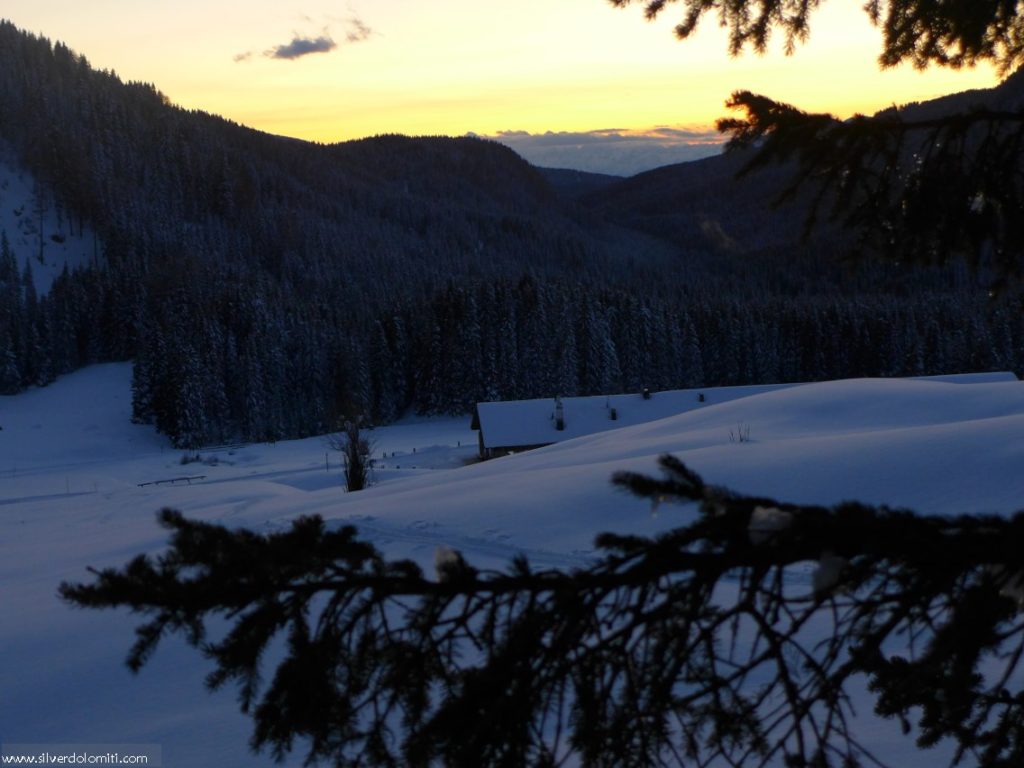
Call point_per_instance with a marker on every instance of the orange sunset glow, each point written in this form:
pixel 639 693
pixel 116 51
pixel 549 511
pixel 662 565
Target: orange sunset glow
pixel 458 67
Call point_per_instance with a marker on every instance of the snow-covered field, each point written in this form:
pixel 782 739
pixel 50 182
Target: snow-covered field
pixel 72 469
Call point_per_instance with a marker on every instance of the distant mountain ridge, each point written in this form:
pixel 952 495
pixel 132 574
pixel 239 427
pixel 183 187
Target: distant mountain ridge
pixel 162 179
pixel 703 205
pixel 572 184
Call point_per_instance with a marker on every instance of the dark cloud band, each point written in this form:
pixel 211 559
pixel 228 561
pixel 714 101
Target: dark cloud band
pixel 302 46
pixel 356 31
pixel 612 150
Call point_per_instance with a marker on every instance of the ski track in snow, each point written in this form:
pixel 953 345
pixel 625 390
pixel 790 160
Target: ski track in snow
pixel 426 536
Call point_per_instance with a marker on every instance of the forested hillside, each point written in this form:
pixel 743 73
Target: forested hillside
pixel 704 202
pixel 266 287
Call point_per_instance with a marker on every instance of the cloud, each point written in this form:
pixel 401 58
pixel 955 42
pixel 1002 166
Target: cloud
pixel 617 151
pixel 302 46
pixel 357 30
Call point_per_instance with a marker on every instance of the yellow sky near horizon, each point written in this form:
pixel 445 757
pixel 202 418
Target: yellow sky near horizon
pixel 459 66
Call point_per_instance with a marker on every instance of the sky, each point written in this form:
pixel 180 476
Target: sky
pixel 567 83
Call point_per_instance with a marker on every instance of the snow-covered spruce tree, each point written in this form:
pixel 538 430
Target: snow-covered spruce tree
pixel 355 449
pixel 697 647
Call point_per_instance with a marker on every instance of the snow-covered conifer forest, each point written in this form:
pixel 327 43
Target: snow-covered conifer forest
pixel 263 286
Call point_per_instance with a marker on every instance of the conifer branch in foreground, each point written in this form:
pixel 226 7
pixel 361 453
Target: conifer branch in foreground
pixel 708 643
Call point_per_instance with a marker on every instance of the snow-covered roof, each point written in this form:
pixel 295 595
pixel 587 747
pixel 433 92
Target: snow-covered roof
pixel 991 377
pixel 511 423
pixel 520 423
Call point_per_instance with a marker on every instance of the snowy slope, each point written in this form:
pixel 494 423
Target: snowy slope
pixel 935 446
pixel 71 464
pixel 46 239
pixel 532 422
